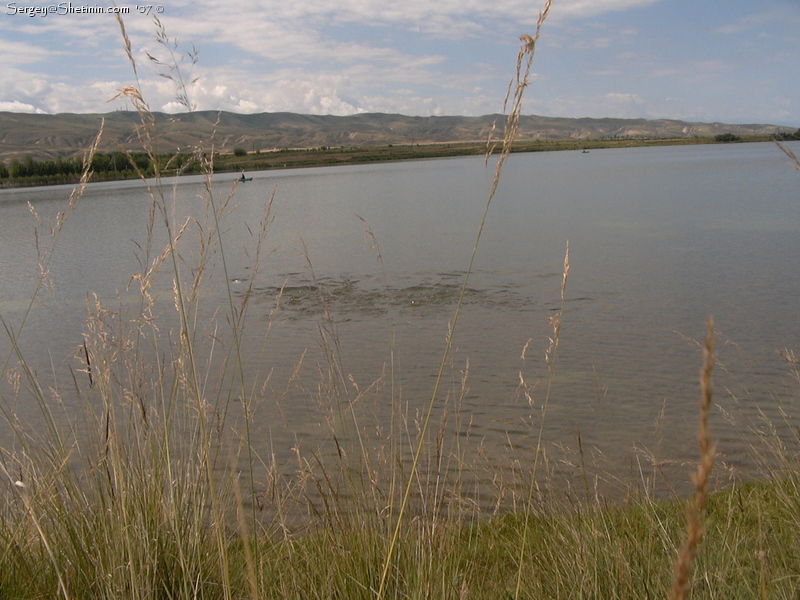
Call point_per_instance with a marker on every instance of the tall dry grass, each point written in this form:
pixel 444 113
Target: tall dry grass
pixel 156 489
pixel 696 508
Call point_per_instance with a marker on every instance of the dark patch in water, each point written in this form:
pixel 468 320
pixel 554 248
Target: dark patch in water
pixel 347 297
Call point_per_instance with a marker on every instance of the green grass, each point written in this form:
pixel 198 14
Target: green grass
pixel 601 552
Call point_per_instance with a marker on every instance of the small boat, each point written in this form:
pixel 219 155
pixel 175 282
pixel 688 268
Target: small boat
pixel 243 178
pixel 585 152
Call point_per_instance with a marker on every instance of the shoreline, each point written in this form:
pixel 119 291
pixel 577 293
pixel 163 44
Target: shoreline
pixel 327 157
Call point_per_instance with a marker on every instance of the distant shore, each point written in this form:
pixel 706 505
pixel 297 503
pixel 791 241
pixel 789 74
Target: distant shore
pixel 242 161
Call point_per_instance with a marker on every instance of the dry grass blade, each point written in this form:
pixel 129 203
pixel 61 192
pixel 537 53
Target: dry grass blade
pixel 519 84
pixel 696 508
pixel 550 360
pixel 525 56
pixel 24 494
pixel 795 162
pixel 45 255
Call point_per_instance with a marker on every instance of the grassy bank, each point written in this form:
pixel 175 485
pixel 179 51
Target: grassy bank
pixel 326 157
pixel 321 157
pixel 600 552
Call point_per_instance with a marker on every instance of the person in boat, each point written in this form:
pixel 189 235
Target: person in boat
pixel 242 178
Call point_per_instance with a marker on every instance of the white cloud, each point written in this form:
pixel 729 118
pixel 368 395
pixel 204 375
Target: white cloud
pixel 283 30
pixel 20 107
pixel 566 9
pixel 415 57
pixel 763 17
pixel 346 92
pixel 20 53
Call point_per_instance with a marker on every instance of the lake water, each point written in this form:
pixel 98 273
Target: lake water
pixel 659 239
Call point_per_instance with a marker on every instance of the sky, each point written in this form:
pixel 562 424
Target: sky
pixel 725 61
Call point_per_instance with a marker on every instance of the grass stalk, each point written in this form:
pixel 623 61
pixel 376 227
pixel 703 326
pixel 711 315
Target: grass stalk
pixel 147 135
pixel 696 508
pixel 550 356
pixel 526 52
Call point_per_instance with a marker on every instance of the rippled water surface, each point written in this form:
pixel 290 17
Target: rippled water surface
pixel 659 239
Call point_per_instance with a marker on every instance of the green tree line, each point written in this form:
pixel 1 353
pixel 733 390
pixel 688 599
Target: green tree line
pixel 105 166
pixel 787 137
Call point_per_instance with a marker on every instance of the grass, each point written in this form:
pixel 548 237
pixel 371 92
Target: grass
pixel 750 551
pixel 154 490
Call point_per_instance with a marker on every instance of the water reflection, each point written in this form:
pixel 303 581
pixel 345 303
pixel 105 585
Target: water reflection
pixel 659 237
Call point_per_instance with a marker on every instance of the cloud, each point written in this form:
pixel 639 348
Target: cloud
pixel 310 94
pixel 285 30
pixel 20 107
pixel 425 16
pixel 38 92
pixel 418 57
pixel 759 20
pixel 343 93
pixel 21 53
pixel 697 71
pixel 582 9
pixel 617 105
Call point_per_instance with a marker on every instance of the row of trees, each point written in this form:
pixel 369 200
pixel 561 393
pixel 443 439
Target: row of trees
pixel 787 137
pixel 780 137
pixel 105 165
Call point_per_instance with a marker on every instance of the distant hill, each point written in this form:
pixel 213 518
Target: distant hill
pixel 48 136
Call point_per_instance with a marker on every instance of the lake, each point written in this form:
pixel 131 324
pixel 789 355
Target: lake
pixel 373 257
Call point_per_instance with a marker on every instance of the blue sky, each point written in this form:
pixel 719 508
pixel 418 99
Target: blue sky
pixel 701 60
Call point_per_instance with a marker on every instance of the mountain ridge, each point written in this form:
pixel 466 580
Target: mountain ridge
pixel 67 134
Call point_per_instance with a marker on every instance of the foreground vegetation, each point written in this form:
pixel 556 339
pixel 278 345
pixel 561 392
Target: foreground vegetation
pixel 154 490
pixel 145 544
